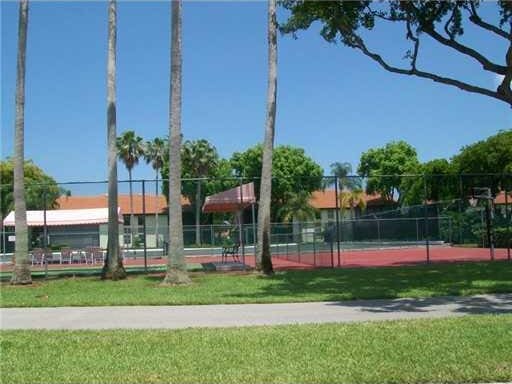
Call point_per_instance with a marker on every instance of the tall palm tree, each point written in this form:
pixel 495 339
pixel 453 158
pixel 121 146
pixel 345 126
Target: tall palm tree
pixel 113 267
pixel 21 273
pixel 199 158
pixel 176 267
pixel 263 256
pixel 154 153
pixel 130 148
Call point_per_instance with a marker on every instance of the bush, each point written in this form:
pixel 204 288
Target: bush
pixel 503 237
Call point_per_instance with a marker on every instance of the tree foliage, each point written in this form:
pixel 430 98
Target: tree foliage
pixel 439 180
pixel 387 164
pixel 298 206
pixel 37 183
pixel 292 172
pixel 492 155
pixel 219 172
pixel 442 21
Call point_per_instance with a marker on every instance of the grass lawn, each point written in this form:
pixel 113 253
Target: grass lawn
pixel 289 286
pixel 466 349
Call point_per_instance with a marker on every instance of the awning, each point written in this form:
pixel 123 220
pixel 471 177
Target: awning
pixel 64 217
pixel 231 200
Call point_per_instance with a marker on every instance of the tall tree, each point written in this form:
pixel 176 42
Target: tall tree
pixel 444 22
pixel 113 267
pixel 176 266
pixel 21 273
pixel 263 256
pixel 200 159
pixel 155 153
pixel 130 148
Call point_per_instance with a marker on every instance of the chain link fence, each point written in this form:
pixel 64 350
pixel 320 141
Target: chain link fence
pixel 329 222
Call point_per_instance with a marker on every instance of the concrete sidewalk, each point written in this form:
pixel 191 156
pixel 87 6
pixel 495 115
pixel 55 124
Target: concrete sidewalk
pixel 173 317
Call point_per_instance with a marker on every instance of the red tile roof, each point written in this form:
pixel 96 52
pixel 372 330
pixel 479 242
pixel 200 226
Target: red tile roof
pixel 327 199
pixel 500 198
pixel 100 201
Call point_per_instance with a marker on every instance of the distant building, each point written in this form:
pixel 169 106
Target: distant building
pixel 140 212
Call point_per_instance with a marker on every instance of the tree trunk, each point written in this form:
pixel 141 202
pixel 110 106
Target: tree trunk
pixel 263 256
pixel 176 267
pixel 157 208
pixel 113 268
pixel 21 273
pixel 132 218
pixel 198 213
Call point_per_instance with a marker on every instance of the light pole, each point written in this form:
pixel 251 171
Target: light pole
pixel 484 193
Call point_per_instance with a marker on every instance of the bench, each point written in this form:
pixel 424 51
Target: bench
pixel 230 250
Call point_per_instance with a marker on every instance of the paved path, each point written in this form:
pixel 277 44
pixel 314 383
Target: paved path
pixel 172 317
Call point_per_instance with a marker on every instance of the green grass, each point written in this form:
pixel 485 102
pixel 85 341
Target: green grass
pixel 289 286
pixel 467 349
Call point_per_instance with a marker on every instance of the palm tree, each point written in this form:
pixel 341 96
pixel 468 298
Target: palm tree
pixel 154 153
pixel 130 148
pixel 200 158
pixel 342 172
pixel 176 267
pixel 113 267
pixel 297 207
pixel 263 256
pixel 352 200
pixel 21 273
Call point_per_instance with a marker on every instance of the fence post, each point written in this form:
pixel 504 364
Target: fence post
pixel 144 224
pixel 461 198
pixel 337 221
pixel 378 230
pixel 253 229
pixel 417 230
pixel 241 223
pixel 425 208
pixel 45 235
pixel 509 229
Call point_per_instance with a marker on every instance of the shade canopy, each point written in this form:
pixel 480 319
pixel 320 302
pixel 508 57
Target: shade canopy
pixel 60 217
pixel 231 200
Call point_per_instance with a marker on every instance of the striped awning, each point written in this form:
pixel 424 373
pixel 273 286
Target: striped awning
pixel 231 200
pixel 59 217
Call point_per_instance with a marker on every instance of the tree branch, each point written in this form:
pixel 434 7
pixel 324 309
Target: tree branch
pixel 475 19
pixel 359 44
pixel 429 28
pixel 486 63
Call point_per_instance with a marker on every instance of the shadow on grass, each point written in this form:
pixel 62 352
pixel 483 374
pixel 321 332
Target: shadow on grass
pixel 454 279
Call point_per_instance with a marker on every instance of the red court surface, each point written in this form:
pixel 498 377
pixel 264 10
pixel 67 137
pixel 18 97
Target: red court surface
pixel 348 258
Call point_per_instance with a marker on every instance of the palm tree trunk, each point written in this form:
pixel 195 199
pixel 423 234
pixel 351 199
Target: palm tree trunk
pixel 21 273
pixel 132 219
pixel 176 267
pixel 157 208
pixel 198 213
pixel 113 267
pixel 263 256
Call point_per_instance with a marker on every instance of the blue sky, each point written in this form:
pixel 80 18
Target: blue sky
pixel 332 101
